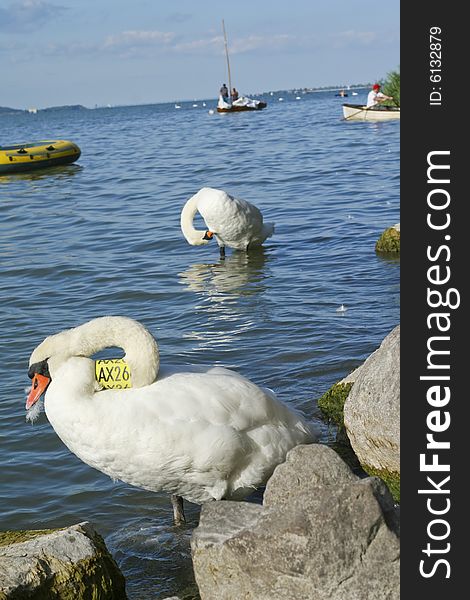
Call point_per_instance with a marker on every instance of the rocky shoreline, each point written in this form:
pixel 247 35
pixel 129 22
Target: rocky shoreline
pixel 322 532
pixel 365 406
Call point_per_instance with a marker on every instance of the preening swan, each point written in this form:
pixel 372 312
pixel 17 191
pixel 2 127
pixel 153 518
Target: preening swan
pixel 200 433
pixel 234 223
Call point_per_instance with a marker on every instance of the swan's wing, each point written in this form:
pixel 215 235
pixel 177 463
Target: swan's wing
pixel 202 433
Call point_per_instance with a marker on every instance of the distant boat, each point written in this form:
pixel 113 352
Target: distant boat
pixel 243 103
pixel 177 105
pixel 341 94
pixel 360 112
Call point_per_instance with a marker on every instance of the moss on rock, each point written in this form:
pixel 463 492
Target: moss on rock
pixel 17 537
pixel 332 402
pixel 389 241
pixel 332 406
pixel 392 480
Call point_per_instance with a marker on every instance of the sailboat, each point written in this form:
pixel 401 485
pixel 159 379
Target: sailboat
pixel 242 103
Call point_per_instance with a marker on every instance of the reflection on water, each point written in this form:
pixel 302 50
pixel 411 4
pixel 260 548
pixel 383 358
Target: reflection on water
pixel 58 172
pixel 230 292
pixel 240 274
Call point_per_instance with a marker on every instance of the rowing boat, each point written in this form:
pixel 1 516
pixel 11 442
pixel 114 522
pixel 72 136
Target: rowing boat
pixel 360 112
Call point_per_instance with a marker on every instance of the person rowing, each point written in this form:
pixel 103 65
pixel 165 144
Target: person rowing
pixel 376 97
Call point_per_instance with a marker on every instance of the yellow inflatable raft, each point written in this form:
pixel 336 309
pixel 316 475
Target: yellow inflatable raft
pixel 37 155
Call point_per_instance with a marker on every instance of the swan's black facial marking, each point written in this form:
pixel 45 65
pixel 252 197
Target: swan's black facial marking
pixel 40 376
pixel 40 368
pixel 208 235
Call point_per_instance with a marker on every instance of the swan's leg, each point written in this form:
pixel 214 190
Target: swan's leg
pixel 178 511
pixel 222 251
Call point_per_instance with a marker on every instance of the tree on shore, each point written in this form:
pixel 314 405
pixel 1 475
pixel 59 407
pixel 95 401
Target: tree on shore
pixel 391 87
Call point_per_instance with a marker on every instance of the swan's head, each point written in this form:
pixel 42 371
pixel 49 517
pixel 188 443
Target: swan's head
pixel 198 238
pixel 44 360
pixel 195 237
pixel 77 371
pixel 40 380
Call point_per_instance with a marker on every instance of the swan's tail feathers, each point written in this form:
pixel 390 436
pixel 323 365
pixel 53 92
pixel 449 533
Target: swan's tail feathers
pixel 303 431
pixel 268 230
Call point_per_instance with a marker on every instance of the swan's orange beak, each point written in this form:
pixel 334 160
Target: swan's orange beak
pixel 208 235
pixel 38 387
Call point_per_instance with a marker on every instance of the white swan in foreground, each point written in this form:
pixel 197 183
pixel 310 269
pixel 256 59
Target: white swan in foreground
pixel 200 433
pixel 234 223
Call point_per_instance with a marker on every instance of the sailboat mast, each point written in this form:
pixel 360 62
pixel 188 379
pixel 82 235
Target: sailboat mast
pixel 228 63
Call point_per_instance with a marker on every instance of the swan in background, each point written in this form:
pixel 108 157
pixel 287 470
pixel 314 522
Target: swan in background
pixel 234 223
pixel 200 433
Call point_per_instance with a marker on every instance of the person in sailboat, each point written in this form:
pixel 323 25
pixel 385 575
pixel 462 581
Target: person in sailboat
pixel 224 93
pixel 234 95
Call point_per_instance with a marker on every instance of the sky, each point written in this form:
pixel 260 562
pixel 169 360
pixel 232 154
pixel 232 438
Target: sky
pixel 120 52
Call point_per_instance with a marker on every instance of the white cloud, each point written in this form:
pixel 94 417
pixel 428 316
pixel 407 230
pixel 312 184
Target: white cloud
pixel 256 42
pixel 215 44
pixel 129 39
pixel 133 44
pixel 351 37
pixel 24 16
pixel 204 46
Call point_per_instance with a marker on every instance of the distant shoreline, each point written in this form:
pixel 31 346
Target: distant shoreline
pixel 7 110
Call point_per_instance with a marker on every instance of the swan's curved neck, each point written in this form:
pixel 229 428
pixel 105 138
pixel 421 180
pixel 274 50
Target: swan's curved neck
pixel 194 236
pixel 141 350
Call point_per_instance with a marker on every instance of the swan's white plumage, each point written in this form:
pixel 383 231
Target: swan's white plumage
pixel 201 433
pixel 236 223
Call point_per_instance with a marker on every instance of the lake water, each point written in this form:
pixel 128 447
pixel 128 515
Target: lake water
pixel 102 236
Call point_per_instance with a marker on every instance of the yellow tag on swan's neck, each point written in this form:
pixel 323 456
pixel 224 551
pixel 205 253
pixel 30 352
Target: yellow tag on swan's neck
pixel 113 373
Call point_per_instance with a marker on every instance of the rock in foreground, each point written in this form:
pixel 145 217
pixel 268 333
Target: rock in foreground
pixel 322 533
pixel 67 564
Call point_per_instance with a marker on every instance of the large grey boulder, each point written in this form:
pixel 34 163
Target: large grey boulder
pixel 67 564
pixel 372 412
pixel 321 534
